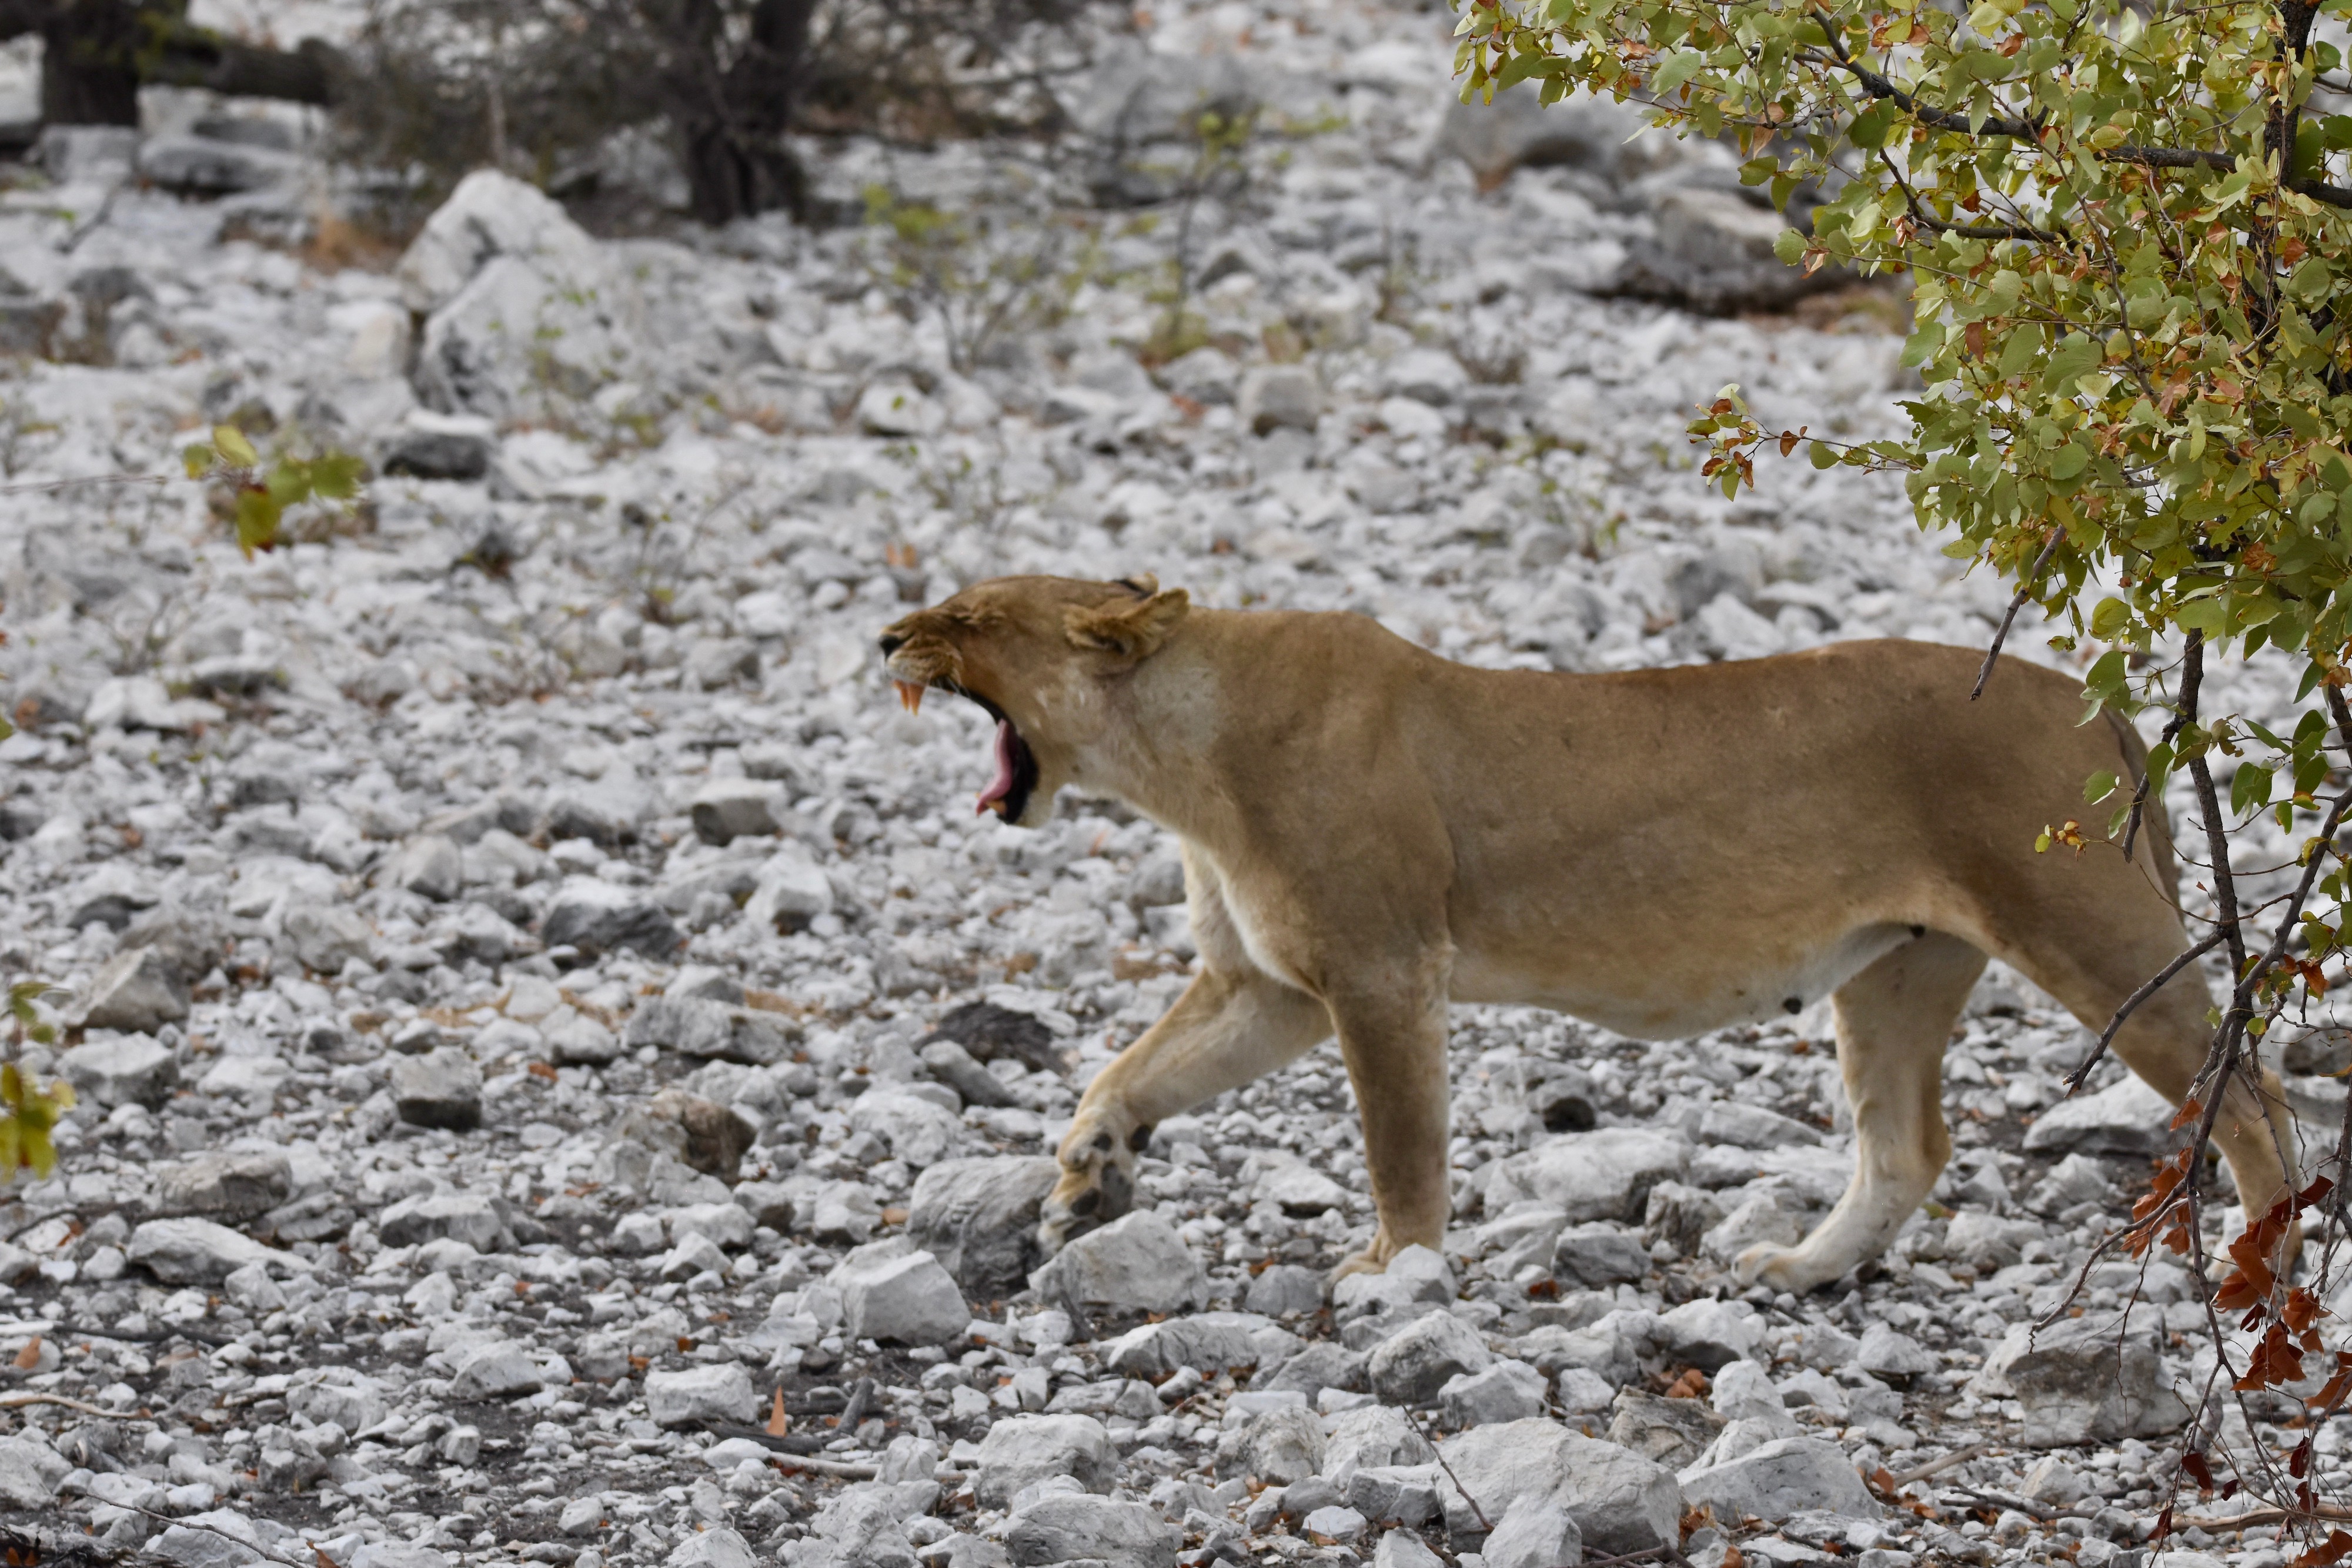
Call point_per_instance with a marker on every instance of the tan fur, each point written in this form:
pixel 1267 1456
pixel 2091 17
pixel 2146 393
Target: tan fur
pixel 1369 831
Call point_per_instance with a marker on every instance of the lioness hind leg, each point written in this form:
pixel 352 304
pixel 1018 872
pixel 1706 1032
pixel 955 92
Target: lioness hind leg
pixel 1225 1029
pixel 2165 1041
pixel 1892 1020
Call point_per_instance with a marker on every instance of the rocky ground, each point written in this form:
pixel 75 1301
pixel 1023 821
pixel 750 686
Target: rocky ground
pixel 563 1076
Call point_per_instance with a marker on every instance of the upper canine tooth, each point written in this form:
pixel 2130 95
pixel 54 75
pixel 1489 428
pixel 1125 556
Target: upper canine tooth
pixel 910 695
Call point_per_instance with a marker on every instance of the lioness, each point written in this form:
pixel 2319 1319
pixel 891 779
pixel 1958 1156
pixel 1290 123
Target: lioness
pixel 1369 831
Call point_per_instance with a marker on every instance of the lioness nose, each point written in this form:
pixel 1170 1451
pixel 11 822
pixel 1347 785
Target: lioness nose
pixel 891 643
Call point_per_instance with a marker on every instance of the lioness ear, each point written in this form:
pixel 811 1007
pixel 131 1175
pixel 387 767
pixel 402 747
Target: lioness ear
pixel 1134 631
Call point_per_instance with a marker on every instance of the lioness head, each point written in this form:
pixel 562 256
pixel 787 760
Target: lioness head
pixel 1039 653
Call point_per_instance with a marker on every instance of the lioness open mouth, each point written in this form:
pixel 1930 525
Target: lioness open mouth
pixel 1016 766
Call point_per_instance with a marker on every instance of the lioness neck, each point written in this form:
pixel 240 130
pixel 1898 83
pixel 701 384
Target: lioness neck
pixel 1249 692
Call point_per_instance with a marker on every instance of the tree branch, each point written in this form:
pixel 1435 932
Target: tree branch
pixel 2025 130
pixel 199 57
pixel 2024 592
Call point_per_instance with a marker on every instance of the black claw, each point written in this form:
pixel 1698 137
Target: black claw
pixel 1139 1139
pixel 1087 1202
pixel 1102 1142
pixel 1793 1004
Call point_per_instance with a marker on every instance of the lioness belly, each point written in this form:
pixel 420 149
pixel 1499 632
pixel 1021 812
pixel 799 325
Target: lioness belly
pixel 1668 995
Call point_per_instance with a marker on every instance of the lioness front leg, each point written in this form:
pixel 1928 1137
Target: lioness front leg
pixel 1227 1029
pixel 1892 1020
pixel 1394 1044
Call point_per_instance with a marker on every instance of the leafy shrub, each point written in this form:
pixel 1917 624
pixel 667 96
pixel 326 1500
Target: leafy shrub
pixel 2127 234
pixel 28 1111
pixel 544 86
pixel 256 498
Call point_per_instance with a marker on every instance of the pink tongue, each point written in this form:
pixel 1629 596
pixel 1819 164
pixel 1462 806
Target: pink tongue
pixel 1003 785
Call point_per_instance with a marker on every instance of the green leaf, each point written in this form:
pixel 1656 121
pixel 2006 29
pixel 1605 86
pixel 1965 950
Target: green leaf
pixel 2250 790
pixel 1788 246
pixel 337 476
pixel 2105 680
pixel 2111 617
pixel 257 516
pixel 1870 127
pixel 2075 357
pixel 1678 68
pixel 2019 353
pixel 2098 787
pixel 233 447
pixel 290 482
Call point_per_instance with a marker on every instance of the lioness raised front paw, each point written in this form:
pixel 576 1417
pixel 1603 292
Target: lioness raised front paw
pixel 1096 1186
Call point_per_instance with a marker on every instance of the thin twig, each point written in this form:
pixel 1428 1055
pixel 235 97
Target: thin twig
pixel 1937 1466
pixel 1484 1522
pixel 2024 592
pixel 36 488
pixel 211 1529
pixel 151 1336
pixel 15 1401
pixel 2139 795
pixel 2273 1515
pixel 2002 1499
pixel 846 1469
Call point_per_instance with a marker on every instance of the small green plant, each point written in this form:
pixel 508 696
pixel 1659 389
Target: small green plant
pixel 259 500
pixel 28 1111
pixel 1219 168
pixel 994 270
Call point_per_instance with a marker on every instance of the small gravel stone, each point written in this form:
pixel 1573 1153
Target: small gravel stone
pixel 498 1370
pixel 1412 1364
pixel 441 1089
pixel 200 1252
pixel 720 1392
pixel 891 1291
pixel 1022 1450
pixel 227 1186
pixel 29 1472
pixel 1285 1289
pixel 1505 1391
pixel 131 1070
pixel 137 989
pixel 1136 1264
pixel 1069 1526
pixel 1779 1480
pixel 1533 1532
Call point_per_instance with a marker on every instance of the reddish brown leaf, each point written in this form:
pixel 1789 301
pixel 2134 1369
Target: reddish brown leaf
pixel 2335 1548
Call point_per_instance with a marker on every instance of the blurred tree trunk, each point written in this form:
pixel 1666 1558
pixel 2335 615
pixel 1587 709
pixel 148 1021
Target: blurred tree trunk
pixel 97 54
pixel 733 130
